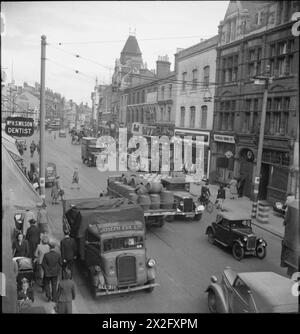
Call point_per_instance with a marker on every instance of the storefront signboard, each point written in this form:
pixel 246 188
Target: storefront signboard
pixel 225 139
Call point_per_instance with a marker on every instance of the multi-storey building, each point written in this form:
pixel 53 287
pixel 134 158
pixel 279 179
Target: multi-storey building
pixel 195 88
pixel 254 37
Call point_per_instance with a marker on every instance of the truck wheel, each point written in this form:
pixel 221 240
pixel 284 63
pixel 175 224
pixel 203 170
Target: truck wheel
pixel 212 302
pixel 161 222
pixel 152 288
pixel 211 236
pixel 238 251
pixel 261 252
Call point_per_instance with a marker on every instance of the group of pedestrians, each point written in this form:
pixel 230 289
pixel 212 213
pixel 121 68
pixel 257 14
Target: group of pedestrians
pixel 54 263
pixel 49 261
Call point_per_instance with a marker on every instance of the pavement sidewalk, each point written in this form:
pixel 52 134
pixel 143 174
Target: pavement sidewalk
pixel 244 205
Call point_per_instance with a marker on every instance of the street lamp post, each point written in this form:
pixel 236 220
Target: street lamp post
pixel 265 80
pixel 42 117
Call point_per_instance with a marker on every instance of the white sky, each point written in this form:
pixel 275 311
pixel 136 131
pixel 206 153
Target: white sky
pixel 79 22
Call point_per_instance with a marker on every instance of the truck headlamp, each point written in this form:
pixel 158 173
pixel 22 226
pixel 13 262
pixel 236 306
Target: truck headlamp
pixel 200 208
pixel 181 203
pixel 151 263
pixel 245 239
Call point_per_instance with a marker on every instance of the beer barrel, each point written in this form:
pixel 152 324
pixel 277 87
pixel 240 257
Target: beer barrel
pixel 141 189
pixel 154 187
pixel 155 201
pixel 144 201
pixel 166 199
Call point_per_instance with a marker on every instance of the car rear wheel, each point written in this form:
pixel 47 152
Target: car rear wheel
pixel 212 302
pixel 238 251
pixel 261 252
pixel 211 236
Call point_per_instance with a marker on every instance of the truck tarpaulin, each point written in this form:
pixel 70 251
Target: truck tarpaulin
pixel 91 211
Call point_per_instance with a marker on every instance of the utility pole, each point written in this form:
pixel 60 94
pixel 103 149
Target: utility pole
pixel 265 80
pixel 42 117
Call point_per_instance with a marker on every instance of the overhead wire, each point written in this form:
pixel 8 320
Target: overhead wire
pixel 124 40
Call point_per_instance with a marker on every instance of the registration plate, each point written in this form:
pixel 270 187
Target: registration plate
pixel 107 287
pixel 189 215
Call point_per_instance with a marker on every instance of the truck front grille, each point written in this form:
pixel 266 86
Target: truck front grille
pixel 251 243
pixel 126 269
pixel 187 205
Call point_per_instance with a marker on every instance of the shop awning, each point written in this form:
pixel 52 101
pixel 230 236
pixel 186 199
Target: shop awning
pixel 10 144
pixel 17 195
pixel 17 191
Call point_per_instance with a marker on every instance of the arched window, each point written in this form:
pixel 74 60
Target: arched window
pixel 204 117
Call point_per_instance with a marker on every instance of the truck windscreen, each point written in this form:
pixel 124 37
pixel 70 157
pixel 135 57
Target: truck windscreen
pixel 115 244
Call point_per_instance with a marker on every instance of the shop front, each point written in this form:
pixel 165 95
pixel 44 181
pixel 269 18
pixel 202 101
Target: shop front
pixel 274 175
pixel 223 153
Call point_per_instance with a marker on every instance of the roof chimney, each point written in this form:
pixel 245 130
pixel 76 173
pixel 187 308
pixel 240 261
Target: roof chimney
pixel 163 66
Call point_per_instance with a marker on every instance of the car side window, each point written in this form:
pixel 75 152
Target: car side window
pixel 242 289
pixel 225 223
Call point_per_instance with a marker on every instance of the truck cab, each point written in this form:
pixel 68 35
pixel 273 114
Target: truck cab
pixel 110 234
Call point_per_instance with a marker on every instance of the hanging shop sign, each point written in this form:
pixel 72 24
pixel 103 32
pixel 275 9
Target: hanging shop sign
pixel 249 155
pixel 224 139
pixel 19 126
pixel 228 154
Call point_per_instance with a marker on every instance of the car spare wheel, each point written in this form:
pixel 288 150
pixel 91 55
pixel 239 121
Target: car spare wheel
pixel 238 251
pixel 261 252
pixel 211 236
pixel 212 302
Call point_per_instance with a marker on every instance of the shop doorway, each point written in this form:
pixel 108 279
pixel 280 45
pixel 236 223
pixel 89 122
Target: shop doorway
pixel 246 170
pixel 264 182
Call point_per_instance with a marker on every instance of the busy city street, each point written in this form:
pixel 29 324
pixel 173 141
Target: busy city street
pixel 185 259
pixel 150 159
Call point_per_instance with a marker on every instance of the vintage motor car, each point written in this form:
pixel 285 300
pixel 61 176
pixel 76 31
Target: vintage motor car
pixel 185 202
pixel 62 133
pixel 251 292
pixel 234 230
pixel 110 235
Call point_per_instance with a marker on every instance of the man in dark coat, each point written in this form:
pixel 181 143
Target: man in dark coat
pixel 68 251
pixel 33 237
pixel 65 294
pixel 241 185
pixel 51 265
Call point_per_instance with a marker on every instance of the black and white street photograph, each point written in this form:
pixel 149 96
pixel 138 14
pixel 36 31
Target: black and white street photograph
pixel 150 159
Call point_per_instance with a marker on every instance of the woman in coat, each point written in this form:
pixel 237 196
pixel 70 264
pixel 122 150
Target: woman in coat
pixel 55 192
pixel 233 188
pixel 20 246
